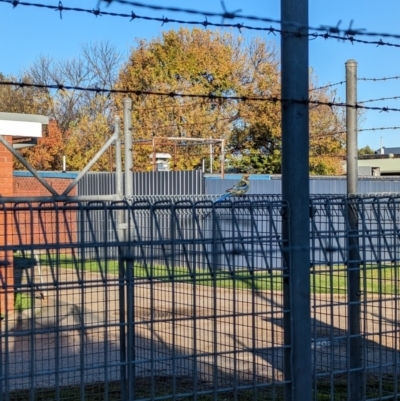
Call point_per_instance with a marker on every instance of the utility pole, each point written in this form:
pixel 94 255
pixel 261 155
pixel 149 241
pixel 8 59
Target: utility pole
pixel 296 192
pixel 355 378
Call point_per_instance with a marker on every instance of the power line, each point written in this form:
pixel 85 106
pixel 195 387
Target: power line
pixel 172 94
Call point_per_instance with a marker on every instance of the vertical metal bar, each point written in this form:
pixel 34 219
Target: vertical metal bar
pixel 106 303
pixel 118 158
pixel 295 191
pixel 128 146
pixel 122 237
pixel 353 273
pixel 211 156
pixel 130 327
pixel 223 158
pixel 122 320
pixel 118 179
pixel 154 154
pixel 82 299
pixel 351 127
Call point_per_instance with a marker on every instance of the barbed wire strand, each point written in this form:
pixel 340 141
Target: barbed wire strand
pixel 378 129
pixel 272 99
pixel 327 86
pixel 329 32
pixel 379 79
pixel 379 100
pixel 225 14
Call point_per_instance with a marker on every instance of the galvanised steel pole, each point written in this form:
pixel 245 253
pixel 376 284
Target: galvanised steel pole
pixel 351 127
pixel 355 374
pixel 128 146
pixel 296 192
pixel 119 186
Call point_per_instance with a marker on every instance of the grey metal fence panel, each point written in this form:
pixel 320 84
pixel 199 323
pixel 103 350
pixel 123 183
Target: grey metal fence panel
pixel 149 183
pixel 260 184
pixel 361 358
pixel 142 326
pixel 192 305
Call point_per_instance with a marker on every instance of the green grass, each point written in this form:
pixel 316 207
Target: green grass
pixel 163 386
pixel 22 301
pixel 324 280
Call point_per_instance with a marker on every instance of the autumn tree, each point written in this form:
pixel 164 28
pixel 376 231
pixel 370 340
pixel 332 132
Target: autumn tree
pixel 213 65
pixel 96 67
pixel 78 117
pixel 22 99
pixel 47 154
pixel 85 139
pixel 190 62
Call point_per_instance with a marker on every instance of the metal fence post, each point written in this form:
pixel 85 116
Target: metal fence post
pixel 355 374
pixel 295 191
pixel 128 146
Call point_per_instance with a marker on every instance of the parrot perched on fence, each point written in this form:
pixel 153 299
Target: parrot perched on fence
pixel 239 189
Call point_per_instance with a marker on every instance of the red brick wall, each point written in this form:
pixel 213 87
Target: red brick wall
pixel 30 186
pixel 45 224
pixel 28 227
pixel 6 231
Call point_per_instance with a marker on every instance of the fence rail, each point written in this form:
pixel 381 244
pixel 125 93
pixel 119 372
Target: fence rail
pixel 181 297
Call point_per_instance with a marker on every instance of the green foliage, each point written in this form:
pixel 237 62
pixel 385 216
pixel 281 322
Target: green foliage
pixel 366 150
pixel 22 301
pixel 186 61
pixel 212 63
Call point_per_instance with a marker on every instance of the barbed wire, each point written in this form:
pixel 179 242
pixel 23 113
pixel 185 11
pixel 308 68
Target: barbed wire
pixel 132 16
pixel 172 94
pixel 379 79
pixel 225 14
pixel 327 86
pixel 345 35
pixel 380 99
pixel 378 129
pixel 231 119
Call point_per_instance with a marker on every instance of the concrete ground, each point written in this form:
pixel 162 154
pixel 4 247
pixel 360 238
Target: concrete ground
pixel 217 335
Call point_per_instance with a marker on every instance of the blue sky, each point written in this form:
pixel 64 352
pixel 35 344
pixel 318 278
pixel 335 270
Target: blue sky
pixel 29 32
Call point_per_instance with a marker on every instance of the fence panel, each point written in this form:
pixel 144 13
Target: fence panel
pixel 165 318
pixel 186 300
pixel 356 342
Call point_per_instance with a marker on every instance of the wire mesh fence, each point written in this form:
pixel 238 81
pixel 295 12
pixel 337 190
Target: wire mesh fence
pixel 354 279
pixel 181 297
pixel 185 306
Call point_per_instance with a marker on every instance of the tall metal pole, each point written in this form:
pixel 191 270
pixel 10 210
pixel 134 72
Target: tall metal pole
pixel 351 127
pixel 211 155
pixel 295 191
pixel 355 374
pixel 121 230
pixel 119 187
pixel 118 159
pixel 128 146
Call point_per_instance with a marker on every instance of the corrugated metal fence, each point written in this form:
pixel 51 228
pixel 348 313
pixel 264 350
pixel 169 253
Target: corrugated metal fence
pixel 195 183
pixel 152 183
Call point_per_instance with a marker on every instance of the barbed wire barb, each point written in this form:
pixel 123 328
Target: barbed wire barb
pixel 324 32
pixel 273 99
